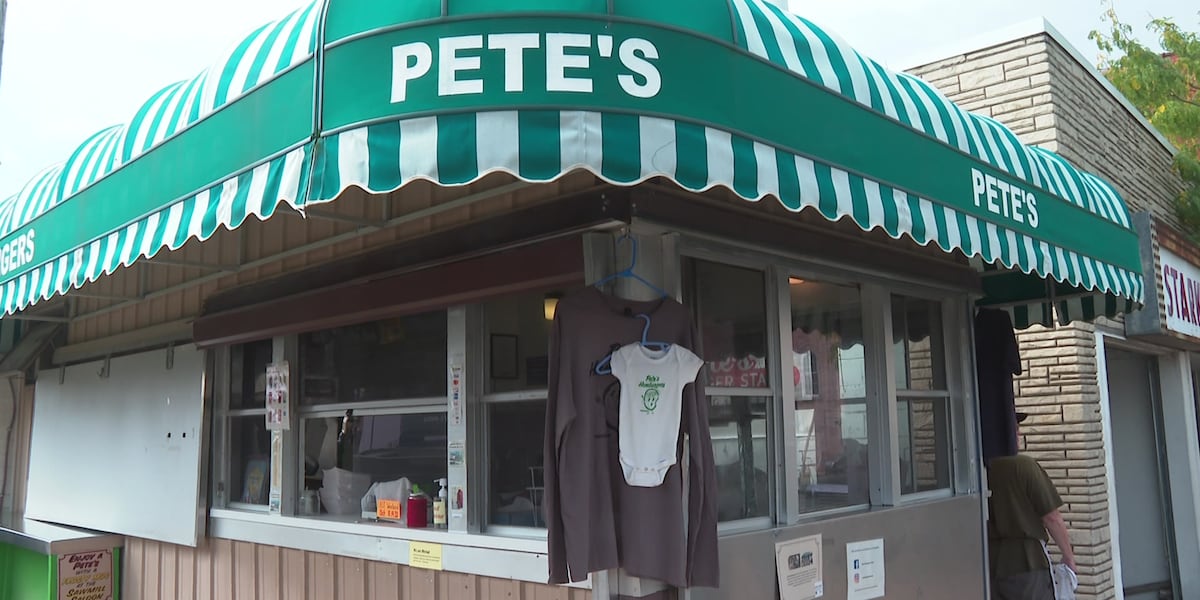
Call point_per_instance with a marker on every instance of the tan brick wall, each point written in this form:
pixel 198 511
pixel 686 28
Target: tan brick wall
pixel 1037 89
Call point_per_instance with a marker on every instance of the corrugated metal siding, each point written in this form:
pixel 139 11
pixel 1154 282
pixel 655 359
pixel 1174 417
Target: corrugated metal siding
pixel 226 570
pixel 257 240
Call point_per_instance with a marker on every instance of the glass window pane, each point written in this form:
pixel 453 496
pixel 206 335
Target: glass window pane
pixel 730 307
pixel 515 436
pixel 248 374
pixel 518 341
pixel 829 375
pixel 917 343
pixel 924 444
pixel 250 460
pixel 392 359
pixel 375 448
pixel 740 452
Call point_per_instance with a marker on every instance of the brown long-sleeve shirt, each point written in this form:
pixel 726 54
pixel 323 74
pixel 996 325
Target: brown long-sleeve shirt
pixel 595 520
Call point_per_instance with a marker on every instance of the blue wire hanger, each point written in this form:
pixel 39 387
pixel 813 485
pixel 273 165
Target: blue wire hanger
pixel 629 272
pixel 604 367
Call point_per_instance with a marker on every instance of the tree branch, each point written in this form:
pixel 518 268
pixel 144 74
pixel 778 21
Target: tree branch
pixel 1185 100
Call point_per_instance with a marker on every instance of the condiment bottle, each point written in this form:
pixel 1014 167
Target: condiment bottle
pixel 418 505
pixel 439 506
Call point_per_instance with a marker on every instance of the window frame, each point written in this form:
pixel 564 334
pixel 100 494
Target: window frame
pixel 689 252
pixel 956 402
pixel 467 341
pixel 882 393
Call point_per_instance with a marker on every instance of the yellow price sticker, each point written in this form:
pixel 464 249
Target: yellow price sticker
pixel 388 509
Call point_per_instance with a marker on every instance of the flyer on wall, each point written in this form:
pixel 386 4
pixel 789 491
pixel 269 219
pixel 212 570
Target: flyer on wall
pixel 799 565
pixel 864 570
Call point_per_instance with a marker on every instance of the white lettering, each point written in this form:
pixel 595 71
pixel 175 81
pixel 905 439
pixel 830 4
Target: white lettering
pixel 17 253
pixel 409 62
pixel 568 58
pixel 514 46
pixel 558 61
pixel 1003 198
pixel 1018 204
pixel 980 186
pixel 450 63
pixel 991 194
pixel 636 54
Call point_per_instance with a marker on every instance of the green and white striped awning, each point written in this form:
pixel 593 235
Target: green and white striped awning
pixel 731 93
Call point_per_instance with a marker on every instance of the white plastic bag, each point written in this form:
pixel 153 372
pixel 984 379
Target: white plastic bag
pixel 1065 582
pixel 342 490
pixel 387 490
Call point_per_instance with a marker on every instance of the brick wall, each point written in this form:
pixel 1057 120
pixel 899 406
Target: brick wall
pixel 1036 88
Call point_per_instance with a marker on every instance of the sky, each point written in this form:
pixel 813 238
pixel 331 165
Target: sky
pixel 73 67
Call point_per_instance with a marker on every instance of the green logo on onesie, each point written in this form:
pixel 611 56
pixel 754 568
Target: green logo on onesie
pixel 650 393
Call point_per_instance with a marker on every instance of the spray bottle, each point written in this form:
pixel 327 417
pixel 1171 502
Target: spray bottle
pixel 439 506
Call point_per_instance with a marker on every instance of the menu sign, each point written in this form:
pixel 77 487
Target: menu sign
pixel 85 576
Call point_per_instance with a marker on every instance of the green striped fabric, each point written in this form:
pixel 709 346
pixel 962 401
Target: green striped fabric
pixel 253 193
pixel 796 44
pixel 627 150
pixel 262 56
pixel 458 147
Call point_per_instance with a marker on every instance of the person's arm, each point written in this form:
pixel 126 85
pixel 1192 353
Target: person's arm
pixel 1057 528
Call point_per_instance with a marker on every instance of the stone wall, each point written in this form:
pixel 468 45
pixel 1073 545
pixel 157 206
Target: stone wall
pixel 1039 90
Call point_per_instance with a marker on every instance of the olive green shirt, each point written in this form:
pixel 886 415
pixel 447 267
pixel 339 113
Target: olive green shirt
pixel 1021 494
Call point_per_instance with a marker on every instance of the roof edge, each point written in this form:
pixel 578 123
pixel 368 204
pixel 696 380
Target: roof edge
pixel 1024 29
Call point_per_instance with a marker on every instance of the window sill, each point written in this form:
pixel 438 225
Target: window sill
pixel 523 559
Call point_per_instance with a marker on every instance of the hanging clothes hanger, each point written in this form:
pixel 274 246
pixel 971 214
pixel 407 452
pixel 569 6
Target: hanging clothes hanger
pixel 628 273
pixel 604 367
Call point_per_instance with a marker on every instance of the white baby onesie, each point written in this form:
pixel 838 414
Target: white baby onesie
pixel 652 385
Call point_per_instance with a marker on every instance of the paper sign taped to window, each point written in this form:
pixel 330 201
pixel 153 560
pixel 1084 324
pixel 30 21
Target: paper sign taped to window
pixel 388 509
pixel 425 556
pixel 278 418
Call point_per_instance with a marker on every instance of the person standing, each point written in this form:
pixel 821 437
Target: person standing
pixel 1023 512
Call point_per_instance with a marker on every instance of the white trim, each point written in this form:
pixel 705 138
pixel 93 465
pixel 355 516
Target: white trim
pixel 1183 463
pixel 489 556
pixel 1018 31
pixel 1114 537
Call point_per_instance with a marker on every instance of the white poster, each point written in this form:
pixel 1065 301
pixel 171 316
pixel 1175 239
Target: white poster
pixel 864 570
pixel 456 396
pixel 799 565
pixel 278 418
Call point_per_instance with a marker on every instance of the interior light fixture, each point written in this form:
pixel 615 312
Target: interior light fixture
pixel 795 281
pixel 549 304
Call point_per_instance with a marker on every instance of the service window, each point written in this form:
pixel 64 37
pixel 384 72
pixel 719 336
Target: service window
pixel 830 379
pixel 729 305
pixel 922 395
pixel 516 347
pixel 248 440
pixel 372 406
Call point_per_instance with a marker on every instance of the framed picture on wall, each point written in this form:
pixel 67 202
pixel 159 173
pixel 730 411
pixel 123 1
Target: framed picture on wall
pixel 504 356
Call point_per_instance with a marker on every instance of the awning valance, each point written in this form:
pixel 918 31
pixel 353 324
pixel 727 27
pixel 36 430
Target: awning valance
pixel 731 93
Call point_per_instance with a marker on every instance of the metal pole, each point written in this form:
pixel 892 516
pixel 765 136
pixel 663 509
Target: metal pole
pixel 3 11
